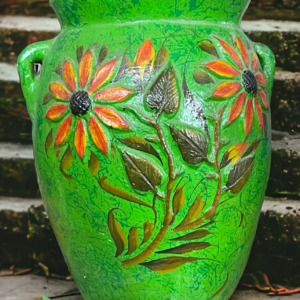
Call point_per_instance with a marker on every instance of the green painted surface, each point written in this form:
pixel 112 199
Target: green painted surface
pixel 79 208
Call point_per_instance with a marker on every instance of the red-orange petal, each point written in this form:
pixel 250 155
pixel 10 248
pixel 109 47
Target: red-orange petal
pixel 63 131
pixel 69 76
pixel 230 51
pixel 263 98
pixel 259 114
pixel 110 117
pixel 85 68
pixel 237 107
pixel 243 51
pixel 260 78
pixel 56 111
pixel 222 68
pixel 248 116
pixel 226 89
pixel 98 135
pixel 102 75
pixel 254 62
pixel 145 54
pixel 80 139
pixel 59 91
pixel 113 94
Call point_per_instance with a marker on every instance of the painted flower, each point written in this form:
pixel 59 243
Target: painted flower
pixel 244 80
pixel 84 102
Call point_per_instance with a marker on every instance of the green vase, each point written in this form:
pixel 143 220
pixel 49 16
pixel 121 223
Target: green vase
pixel 151 131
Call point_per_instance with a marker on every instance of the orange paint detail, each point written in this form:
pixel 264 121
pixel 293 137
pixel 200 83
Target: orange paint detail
pixel 59 91
pixel 85 68
pixel 243 51
pixel 259 114
pixel 144 56
pixel 63 131
pixel 80 139
pixel 113 94
pixel 254 62
pixel 222 68
pixel 110 117
pixel 248 116
pixel 56 111
pixel 102 75
pixel 237 107
pixel 98 135
pixel 226 89
pixel 236 151
pixel 260 78
pixel 263 98
pixel 230 51
pixel 69 76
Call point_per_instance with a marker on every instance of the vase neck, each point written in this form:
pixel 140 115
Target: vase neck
pixel 80 12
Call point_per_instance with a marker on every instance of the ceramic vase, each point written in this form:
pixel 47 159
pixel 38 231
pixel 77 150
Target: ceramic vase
pixel 151 133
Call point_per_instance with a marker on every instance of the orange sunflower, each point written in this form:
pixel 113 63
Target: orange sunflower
pixel 245 81
pixel 80 104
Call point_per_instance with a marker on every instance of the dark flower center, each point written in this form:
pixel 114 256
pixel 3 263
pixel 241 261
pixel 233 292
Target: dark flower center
pixel 80 103
pixel 249 82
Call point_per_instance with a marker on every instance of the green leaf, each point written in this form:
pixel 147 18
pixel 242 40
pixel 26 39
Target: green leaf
pixel 198 234
pixel 66 162
pixel 125 68
pixel 116 232
pixel 163 95
pixel 47 98
pixel 168 264
pixel 253 148
pixel 103 53
pixel 186 248
pixel 133 240
pixel 79 53
pixel 192 145
pixel 49 141
pixel 208 47
pixel 201 77
pixel 140 144
pixel 113 190
pixel 148 231
pixel 240 174
pixel 94 164
pixel 143 175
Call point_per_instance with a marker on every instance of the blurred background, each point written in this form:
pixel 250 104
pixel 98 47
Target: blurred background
pixel 28 248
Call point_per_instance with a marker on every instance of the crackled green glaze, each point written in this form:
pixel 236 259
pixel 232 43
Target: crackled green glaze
pixel 151 130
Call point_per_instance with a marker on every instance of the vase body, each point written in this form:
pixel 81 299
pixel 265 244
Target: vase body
pixel 152 145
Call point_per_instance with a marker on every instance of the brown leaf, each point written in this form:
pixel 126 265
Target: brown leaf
pixel 79 53
pixel 66 162
pixel 242 219
pixel 94 164
pixel 47 98
pixel 148 231
pixel 201 77
pixel 178 201
pixel 125 68
pixel 116 232
pixel 168 264
pixel 113 190
pixel 59 70
pixel 208 47
pixel 233 154
pixel 49 141
pixel 186 248
pixel 253 148
pixel 103 53
pixel 160 59
pixel 133 240
pixel 198 234
pixel 207 224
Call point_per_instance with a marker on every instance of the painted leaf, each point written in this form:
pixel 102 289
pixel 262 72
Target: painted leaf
pixel 98 135
pixel 263 98
pixel 63 131
pixel 140 144
pixel 233 154
pixel 49 141
pixel 178 201
pixel 192 145
pixel 103 53
pixel 94 164
pixel 125 68
pixel 198 234
pixel 148 231
pixel 137 80
pixel 66 163
pixel 59 91
pixel 248 116
pixel 113 190
pixel 56 111
pixel 147 73
pixel 47 98
pixel 85 68
pixel 163 95
pixel 208 47
pixel 194 106
pixel 255 62
pixel 186 248
pixel 259 114
pixel 143 175
pixel 69 76
pixel 161 59
pixel 227 89
pixel 208 224
pixel 59 70
pixel 113 94
pixel 80 139
pixel 79 53
pixel 168 264
pixel 222 68
pixel 253 148
pixel 243 51
pixel 237 107
pixel 240 174
pixel 242 219
pixel 201 77
pixel 133 240
pixel 116 233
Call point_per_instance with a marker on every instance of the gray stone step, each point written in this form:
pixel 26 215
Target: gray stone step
pixel 282 37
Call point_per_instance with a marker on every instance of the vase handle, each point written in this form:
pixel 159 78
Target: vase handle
pixel 29 82
pixel 267 60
